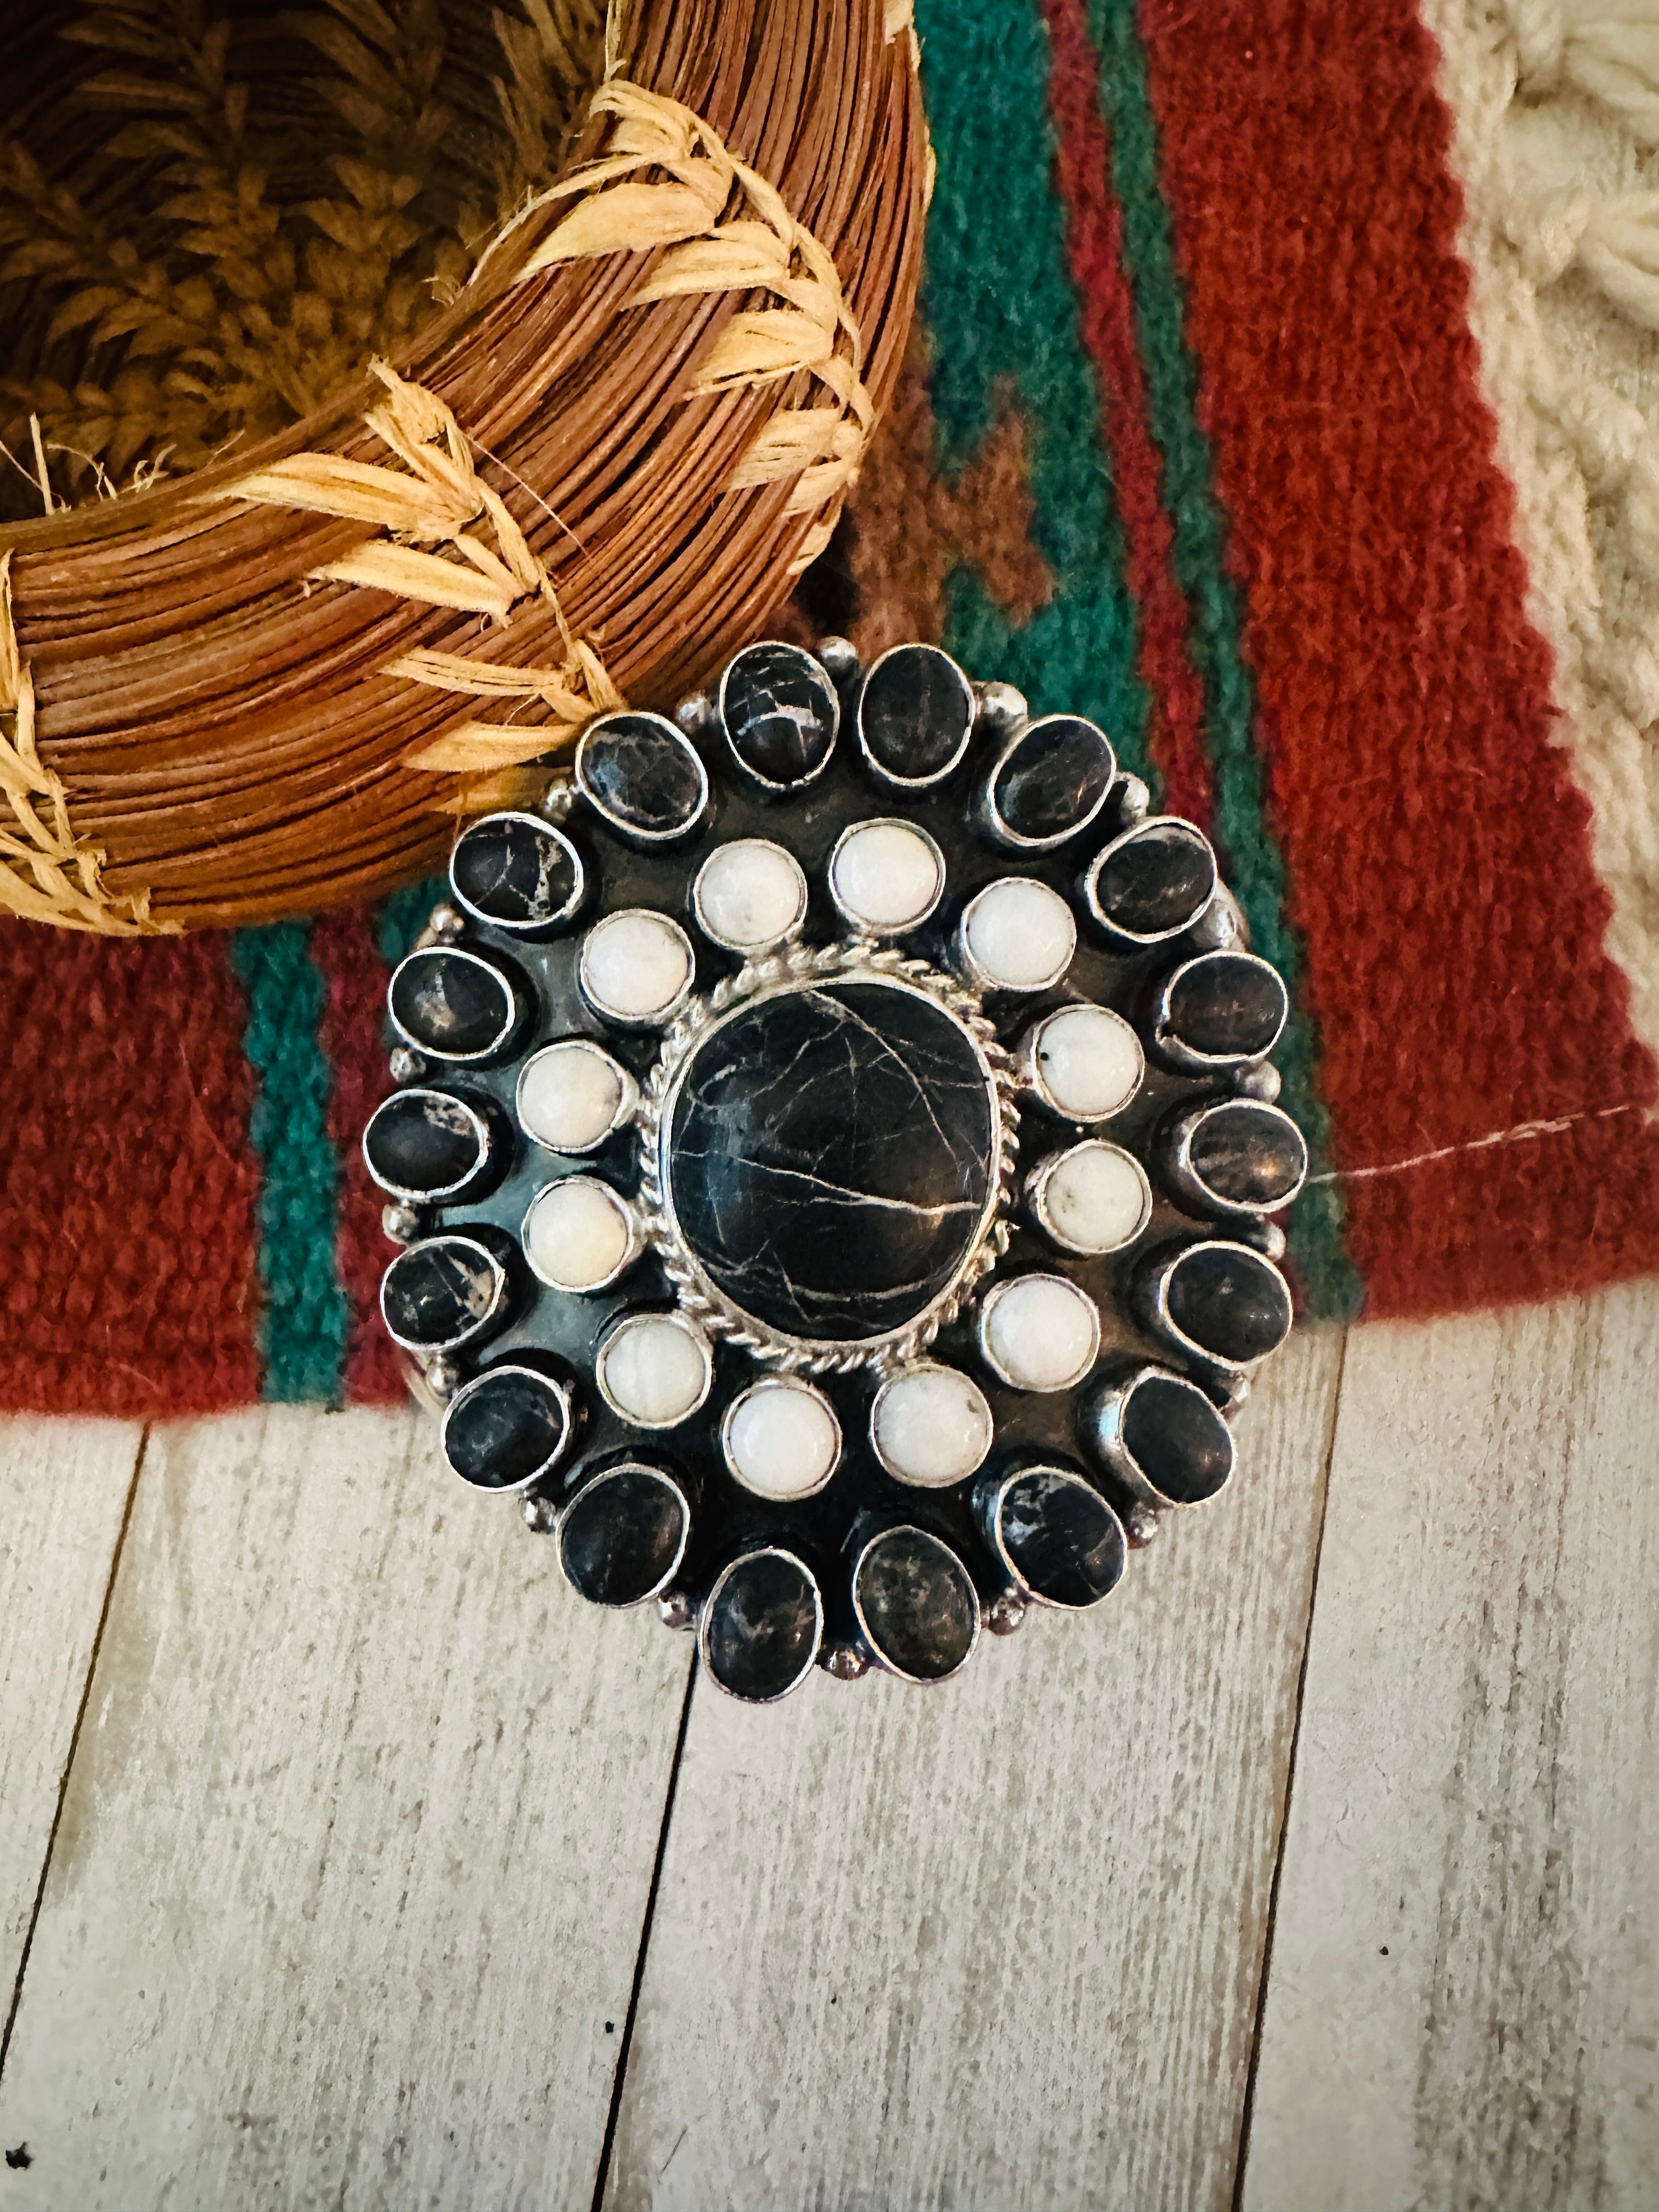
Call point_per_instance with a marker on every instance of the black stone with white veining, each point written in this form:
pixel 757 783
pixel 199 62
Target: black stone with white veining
pixel 505 1428
pixel 1177 1438
pixel 779 710
pixel 516 871
pixel 1227 1005
pixel 1248 1154
pixel 642 773
pixel 762 1629
pixel 830 1158
pixel 1053 779
pixel 916 1603
pixel 1064 1540
pixel 440 1293
pixel 1154 881
pixel 422 1143
pixel 915 713
pixel 1231 1303
pixel 452 1004
pixel 621 1535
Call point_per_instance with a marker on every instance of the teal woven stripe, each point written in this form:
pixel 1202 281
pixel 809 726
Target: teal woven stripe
pixel 1255 865
pixel 999 300
pixel 307 1314
pixel 403 917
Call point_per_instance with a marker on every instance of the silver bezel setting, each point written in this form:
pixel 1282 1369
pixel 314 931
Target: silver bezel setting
pixel 776 1381
pixel 989 815
pixel 879 1657
pixel 659 1017
pixel 991 1496
pixel 706 1618
pixel 1036 1198
pixel 476 1328
pixel 993 1298
pixel 476 1382
pixel 1145 940
pixel 447 948
pixel 916 783
pixel 1104 1414
pixel 1181 1056
pixel 553 923
pixel 605 1472
pixel 766 783
pixel 625 1214
pixel 1176 1155
pixel 981 976
pixel 794 968
pixel 1028 1061
pixel 1153 1289
pixel 627 1106
pixel 898 1374
pixel 785 936
pixel 619 1327
pixel 630 832
pixel 861 924
pixel 451 1190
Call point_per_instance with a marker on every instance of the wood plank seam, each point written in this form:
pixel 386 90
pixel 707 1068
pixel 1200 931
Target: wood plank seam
pixel 620 2078
pixel 74 1744
pixel 1258 2005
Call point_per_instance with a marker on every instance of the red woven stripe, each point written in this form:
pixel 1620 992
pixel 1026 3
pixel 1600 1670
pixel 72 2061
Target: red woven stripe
pixel 1438 852
pixel 1094 253
pixel 127 1185
pixel 354 977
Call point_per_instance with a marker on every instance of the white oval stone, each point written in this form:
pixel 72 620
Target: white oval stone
pixel 931 1426
pixel 887 875
pixel 635 964
pixel 1088 1062
pixel 781 1438
pixel 1094 1199
pixel 1018 934
pixel 571 1096
pixel 1040 1332
pixel 654 1369
pixel 749 894
pixel 577 1234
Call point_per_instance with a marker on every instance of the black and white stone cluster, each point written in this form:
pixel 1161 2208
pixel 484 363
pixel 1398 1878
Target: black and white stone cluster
pixel 835 1157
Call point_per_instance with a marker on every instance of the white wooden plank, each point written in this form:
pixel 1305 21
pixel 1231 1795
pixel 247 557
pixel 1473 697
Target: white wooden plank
pixel 1464 1986
pixel 64 1486
pixel 347 1895
pixel 1000 1943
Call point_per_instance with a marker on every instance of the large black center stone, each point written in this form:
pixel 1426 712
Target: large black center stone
pixel 829 1155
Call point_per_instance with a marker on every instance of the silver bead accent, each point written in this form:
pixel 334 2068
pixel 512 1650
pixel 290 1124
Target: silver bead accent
pixel 1005 1614
pixel 540 1514
pixel 1001 706
pixel 695 715
pixel 1222 924
pixel 556 802
pixel 443 1376
pixel 845 1661
pixel 1266 1236
pixel 401 1223
pixel 406 1064
pixel 1140 1528
pixel 838 658
pixel 1239 1391
pixel 1260 1079
pixel 675 1610
pixel 446 922
pixel 1132 798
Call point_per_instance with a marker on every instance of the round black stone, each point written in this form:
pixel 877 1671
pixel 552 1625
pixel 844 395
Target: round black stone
pixel 916 1604
pixel 1248 1154
pixel 504 1428
pixel 1226 1006
pixel 518 872
pixel 914 714
pixel 1053 779
pixel 1231 1303
pixel 829 1157
pixel 1177 1438
pixel 764 1626
pixel 622 1535
pixel 642 774
pixel 1154 881
pixel 1064 1540
pixel 453 1004
pixel 780 713
pixel 439 1294
pixel 425 1145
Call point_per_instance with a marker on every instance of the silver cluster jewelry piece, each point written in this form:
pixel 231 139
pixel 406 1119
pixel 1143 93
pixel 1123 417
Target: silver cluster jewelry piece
pixel 835 1154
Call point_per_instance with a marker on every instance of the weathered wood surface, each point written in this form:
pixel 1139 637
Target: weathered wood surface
pixel 345 1900
pixel 1463 1996
pixel 996 1945
pixel 63 1488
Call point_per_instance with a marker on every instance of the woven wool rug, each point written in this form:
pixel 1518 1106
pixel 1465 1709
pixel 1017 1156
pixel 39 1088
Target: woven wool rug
pixel 1286 398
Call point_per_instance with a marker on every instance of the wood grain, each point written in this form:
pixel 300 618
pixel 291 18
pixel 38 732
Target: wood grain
pixel 63 1490
pixel 346 1898
pixel 997 1944
pixel 1463 1989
